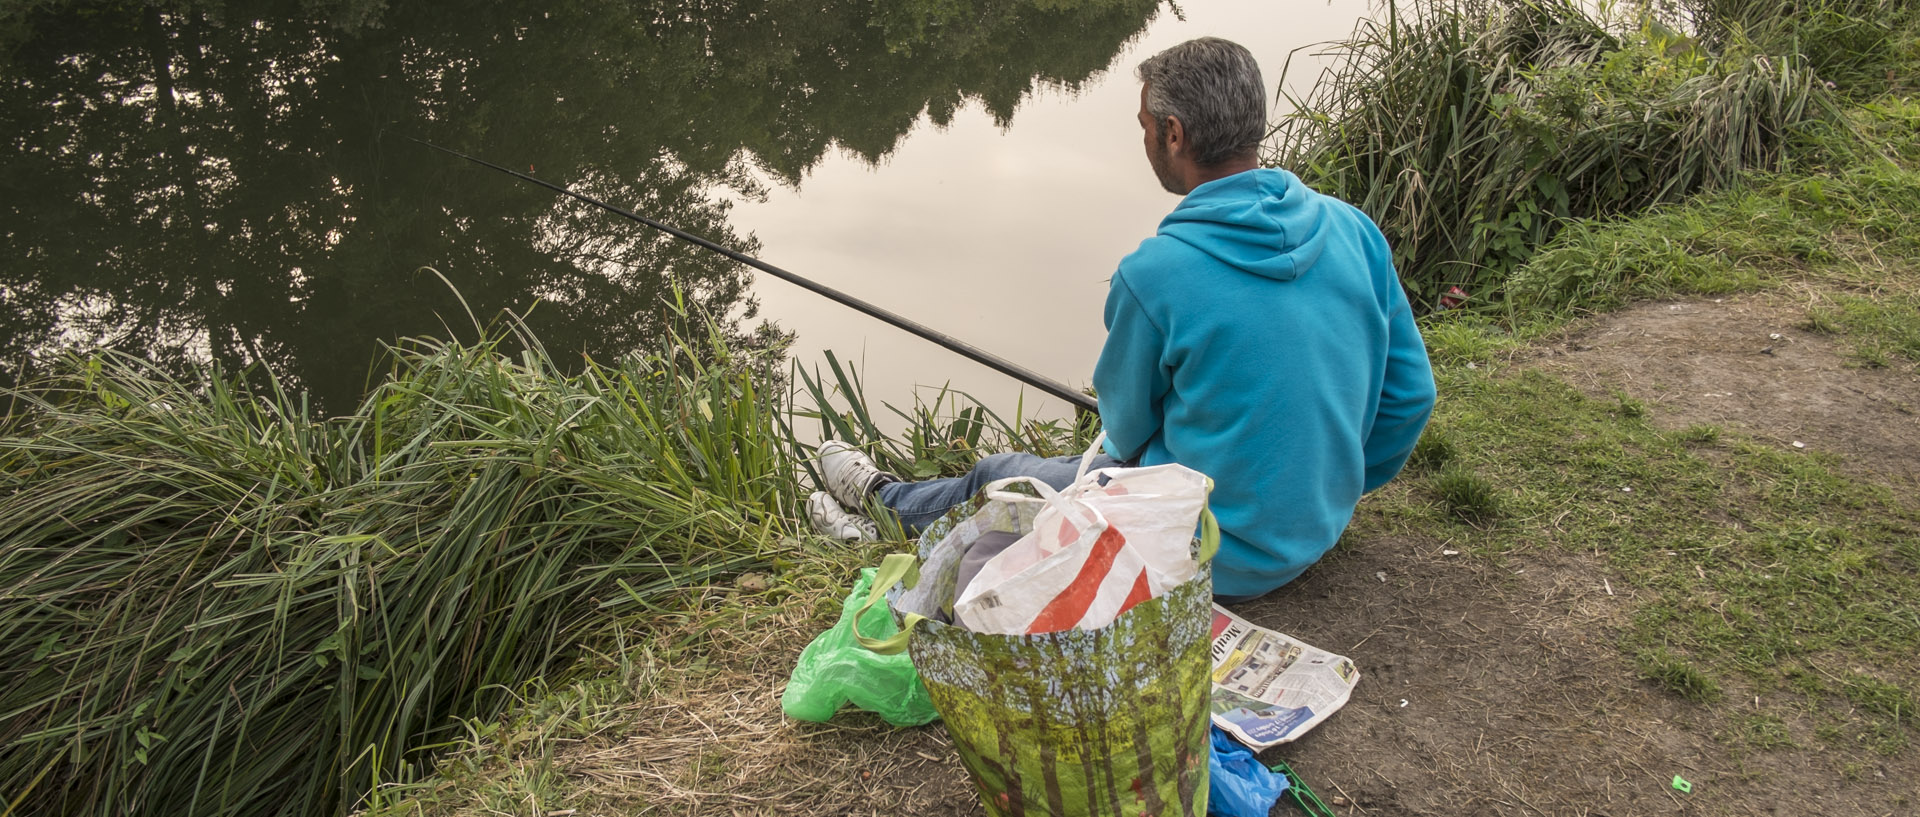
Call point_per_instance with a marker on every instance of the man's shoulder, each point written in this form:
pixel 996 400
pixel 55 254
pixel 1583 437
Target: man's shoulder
pixel 1158 259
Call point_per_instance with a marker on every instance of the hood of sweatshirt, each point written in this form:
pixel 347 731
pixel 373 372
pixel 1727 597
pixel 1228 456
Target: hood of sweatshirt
pixel 1264 221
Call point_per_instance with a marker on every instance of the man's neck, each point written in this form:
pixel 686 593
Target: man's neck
pixel 1198 175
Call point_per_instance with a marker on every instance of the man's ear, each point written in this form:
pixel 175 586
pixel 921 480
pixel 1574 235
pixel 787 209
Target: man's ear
pixel 1176 135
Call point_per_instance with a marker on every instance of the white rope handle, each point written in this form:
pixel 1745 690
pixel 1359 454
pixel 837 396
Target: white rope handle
pixel 997 491
pixel 1086 460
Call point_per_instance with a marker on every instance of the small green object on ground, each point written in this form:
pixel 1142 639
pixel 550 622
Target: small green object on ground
pixel 1682 784
pixel 835 670
pixel 1298 792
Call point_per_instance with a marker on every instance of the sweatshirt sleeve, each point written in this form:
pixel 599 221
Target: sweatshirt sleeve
pixel 1406 396
pixel 1130 378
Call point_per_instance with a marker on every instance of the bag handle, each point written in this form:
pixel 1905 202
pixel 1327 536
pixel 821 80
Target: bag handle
pixel 1209 526
pixel 997 490
pixel 1209 532
pixel 897 567
pixel 1086 460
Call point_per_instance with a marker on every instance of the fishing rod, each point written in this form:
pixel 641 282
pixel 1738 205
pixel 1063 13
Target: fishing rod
pixel 942 339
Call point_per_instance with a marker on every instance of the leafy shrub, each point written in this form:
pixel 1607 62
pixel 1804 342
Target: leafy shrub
pixel 1471 131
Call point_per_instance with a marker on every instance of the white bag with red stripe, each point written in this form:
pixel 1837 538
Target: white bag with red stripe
pixel 1112 539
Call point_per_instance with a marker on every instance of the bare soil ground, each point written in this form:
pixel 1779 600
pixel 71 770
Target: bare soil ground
pixel 1751 364
pixel 1496 690
pixel 1492 686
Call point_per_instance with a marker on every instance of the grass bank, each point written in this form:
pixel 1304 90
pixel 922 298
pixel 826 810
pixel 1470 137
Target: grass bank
pixel 211 603
pixel 1772 589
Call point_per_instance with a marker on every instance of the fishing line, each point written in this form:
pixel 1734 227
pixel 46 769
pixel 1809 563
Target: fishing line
pixel 941 339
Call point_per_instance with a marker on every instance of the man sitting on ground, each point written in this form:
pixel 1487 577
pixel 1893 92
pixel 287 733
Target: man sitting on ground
pixel 1260 337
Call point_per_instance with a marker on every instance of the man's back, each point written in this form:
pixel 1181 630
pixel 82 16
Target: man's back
pixel 1262 338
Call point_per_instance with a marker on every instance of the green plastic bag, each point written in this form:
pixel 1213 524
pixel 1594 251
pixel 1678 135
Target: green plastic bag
pixel 1080 723
pixel 835 670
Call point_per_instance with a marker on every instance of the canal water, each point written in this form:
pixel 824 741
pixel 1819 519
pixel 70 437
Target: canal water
pixel 235 182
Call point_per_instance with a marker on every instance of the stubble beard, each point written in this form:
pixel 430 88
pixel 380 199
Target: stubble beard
pixel 1162 161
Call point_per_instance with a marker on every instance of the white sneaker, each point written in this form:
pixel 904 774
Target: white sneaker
pixel 850 476
pixel 832 520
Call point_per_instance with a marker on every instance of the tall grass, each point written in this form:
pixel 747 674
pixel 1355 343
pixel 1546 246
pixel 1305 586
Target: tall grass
pixel 211 604
pixel 1470 130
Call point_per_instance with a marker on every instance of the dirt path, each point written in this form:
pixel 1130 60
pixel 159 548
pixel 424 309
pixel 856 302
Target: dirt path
pixel 1750 364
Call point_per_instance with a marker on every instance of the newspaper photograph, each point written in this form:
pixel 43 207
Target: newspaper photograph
pixel 1268 688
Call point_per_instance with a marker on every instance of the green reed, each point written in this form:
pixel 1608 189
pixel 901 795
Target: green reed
pixel 943 437
pixel 213 604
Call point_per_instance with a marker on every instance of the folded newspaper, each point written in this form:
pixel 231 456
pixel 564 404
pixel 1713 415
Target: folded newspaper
pixel 1268 688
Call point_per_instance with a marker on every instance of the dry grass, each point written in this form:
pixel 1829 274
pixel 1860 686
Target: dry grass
pixel 693 726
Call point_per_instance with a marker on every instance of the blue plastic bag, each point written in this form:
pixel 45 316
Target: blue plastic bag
pixel 835 670
pixel 1238 785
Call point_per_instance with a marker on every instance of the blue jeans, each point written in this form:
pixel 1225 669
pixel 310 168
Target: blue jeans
pixel 919 504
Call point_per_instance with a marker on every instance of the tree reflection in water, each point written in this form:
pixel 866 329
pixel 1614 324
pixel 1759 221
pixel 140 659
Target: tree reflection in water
pixel 231 182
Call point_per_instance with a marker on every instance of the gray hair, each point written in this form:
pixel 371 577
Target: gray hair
pixel 1213 87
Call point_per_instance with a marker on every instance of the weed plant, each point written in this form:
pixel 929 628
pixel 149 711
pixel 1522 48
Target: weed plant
pixel 1884 330
pixel 1698 434
pixel 211 604
pixel 1678 676
pixel 1878 697
pixel 1467 495
pixel 1470 130
pixel 1433 451
pixel 943 437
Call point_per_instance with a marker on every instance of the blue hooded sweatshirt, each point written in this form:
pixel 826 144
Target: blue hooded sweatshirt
pixel 1261 337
